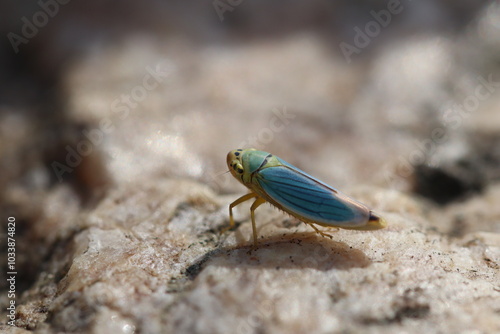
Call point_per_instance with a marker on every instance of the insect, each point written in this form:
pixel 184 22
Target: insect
pixel 271 179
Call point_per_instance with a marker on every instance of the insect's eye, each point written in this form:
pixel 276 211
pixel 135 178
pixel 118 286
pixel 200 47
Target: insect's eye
pixel 237 167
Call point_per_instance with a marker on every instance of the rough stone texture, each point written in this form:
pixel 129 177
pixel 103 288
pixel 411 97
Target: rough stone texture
pixel 127 238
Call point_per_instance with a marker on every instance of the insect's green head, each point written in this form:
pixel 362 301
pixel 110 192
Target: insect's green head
pixel 243 163
pixel 235 164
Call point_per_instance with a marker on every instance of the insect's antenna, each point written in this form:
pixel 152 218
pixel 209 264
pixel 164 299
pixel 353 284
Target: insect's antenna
pixel 222 173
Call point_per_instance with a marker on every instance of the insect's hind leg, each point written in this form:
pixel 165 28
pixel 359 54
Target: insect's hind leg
pixel 323 234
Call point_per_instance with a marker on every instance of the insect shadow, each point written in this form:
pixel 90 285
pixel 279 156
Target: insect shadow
pixel 297 251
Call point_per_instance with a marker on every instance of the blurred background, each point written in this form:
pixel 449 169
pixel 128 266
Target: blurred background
pixel 398 95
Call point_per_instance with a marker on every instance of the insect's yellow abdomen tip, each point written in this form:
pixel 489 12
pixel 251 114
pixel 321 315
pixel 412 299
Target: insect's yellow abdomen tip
pixel 375 222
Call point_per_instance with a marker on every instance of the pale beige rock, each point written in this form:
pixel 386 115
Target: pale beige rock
pixel 153 261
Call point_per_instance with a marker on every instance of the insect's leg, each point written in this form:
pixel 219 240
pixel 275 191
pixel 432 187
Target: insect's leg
pixel 323 234
pixel 232 205
pixel 254 206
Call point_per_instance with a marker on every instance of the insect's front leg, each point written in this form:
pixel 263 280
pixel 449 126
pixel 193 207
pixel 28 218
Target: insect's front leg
pixel 232 205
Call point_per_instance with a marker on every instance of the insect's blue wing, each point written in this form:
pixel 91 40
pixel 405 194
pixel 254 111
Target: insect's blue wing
pixel 308 197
